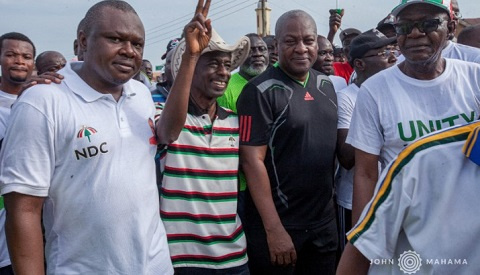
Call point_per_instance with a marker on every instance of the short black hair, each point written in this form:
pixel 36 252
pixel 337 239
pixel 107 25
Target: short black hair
pixel 96 10
pixel 321 37
pixel 293 14
pixel 16 36
pixel 269 37
pixel 467 33
pixel 252 34
pixel 81 25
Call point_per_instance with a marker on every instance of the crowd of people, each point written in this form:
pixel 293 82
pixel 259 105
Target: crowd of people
pixel 281 154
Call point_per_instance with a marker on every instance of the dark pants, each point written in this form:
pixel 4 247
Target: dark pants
pixel 241 205
pixel 344 225
pixel 238 270
pixel 6 270
pixel 315 248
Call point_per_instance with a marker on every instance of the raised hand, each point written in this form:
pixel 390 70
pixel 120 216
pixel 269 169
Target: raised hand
pixel 199 31
pixel 335 20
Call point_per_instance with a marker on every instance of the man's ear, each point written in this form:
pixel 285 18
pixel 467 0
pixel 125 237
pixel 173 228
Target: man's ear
pixel 359 64
pixel 82 41
pixel 452 27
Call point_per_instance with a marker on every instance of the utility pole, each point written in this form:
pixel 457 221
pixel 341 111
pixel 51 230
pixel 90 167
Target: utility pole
pixel 263 18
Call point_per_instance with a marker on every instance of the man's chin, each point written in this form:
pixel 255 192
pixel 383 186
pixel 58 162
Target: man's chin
pixel 122 79
pixel 328 70
pixel 297 72
pixel 422 60
pixel 254 71
pixel 215 94
pixel 18 80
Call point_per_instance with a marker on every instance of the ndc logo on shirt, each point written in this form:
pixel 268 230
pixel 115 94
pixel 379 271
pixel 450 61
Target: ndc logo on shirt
pixel 89 151
pixel 86 132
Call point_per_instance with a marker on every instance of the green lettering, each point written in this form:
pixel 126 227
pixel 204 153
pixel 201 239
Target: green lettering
pixel 412 130
pixel 439 124
pixel 451 120
pixel 422 127
pixel 432 127
pixel 472 117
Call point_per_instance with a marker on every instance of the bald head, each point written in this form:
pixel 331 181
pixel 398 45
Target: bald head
pixel 470 36
pixel 49 61
pixel 304 17
pixel 97 11
pixel 296 36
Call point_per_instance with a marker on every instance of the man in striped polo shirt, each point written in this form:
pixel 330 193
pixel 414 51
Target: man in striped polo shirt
pixel 200 157
pixel 421 217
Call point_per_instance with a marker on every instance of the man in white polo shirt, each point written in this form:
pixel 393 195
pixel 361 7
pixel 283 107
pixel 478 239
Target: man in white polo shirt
pixel 17 54
pixel 83 150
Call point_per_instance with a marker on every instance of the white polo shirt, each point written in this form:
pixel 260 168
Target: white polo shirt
pixel 6 101
pixel 426 207
pixel 338 82
pixel 344 181
pixel 92 158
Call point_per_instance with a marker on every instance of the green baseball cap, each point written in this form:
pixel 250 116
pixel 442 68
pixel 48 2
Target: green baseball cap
pixel 444 4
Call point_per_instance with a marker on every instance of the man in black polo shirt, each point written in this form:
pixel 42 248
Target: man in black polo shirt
pixel 288 117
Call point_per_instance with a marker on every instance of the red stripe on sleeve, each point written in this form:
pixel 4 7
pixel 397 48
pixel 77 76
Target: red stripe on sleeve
pixel 245 128
pixel 243 121
pixel 249 128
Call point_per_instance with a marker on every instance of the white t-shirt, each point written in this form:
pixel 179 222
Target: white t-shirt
pixel 456 51
pixel 6 101
pixel 93 159
pixel 393 109
pixel 425 205
pixel 344 181
pixel 338 82
pixel 4 257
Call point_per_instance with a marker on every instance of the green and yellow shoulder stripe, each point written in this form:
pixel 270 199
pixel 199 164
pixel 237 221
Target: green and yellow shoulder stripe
pixel 468 133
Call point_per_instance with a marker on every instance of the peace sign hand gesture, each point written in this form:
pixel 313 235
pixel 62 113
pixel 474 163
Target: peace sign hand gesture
pixel 199 31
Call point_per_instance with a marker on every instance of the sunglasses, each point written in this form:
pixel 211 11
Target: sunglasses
pixel 385 53
pixel 425 26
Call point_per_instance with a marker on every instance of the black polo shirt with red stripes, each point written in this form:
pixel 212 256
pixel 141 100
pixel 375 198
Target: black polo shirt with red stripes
pixel 298 123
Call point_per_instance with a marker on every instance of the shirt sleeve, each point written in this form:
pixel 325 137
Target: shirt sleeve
pixel 345 110
pixel 377 231
pixel 256 116
pixel 27 156
pixel 365 131
pixel 161 148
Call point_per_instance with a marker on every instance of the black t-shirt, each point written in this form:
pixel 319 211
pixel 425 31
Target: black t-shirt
pixel 298 123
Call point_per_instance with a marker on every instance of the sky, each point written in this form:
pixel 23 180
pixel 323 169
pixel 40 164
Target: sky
pixel 52 24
